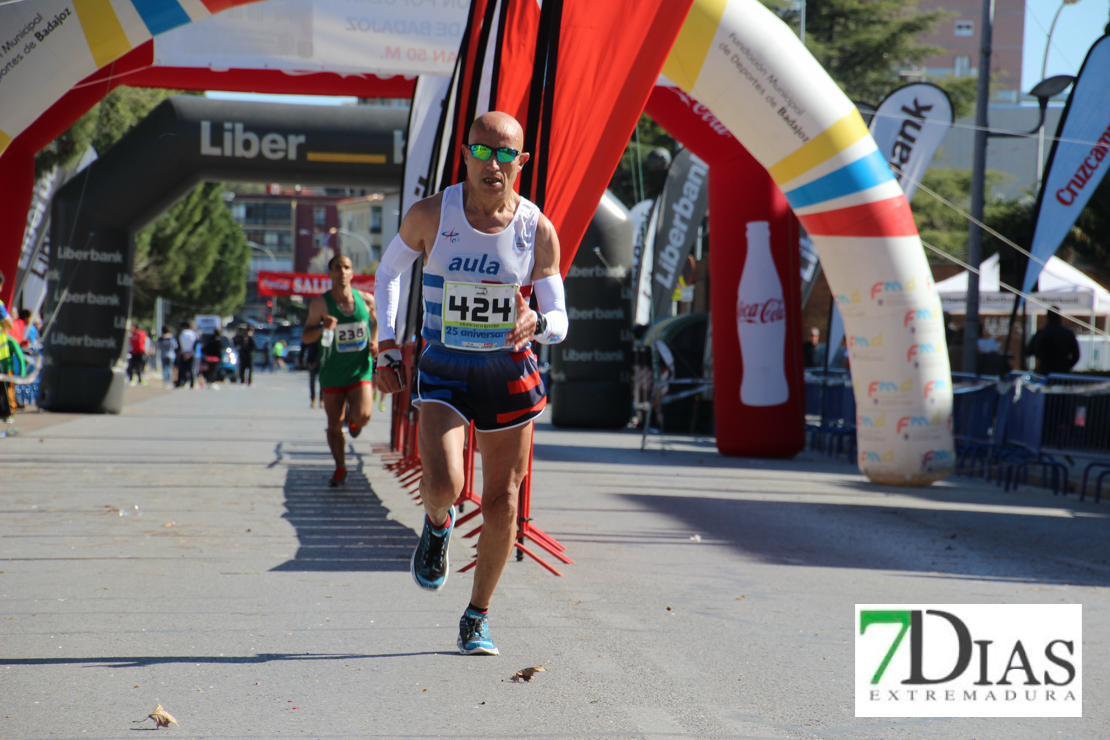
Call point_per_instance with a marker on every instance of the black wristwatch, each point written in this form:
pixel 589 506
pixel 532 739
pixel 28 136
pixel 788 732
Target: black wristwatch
pixel 541 324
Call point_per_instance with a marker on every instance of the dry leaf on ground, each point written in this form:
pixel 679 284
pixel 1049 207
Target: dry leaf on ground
pixel 161 718
pixel 526 674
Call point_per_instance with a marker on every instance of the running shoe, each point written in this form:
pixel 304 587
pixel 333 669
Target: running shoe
pixel 429 564
pixel 474 634
pixel 339 478
pixel 354 429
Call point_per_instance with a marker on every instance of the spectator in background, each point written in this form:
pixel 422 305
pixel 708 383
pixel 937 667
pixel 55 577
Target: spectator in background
pixel 264 351
pixel 839 359
pixel 7 394
pixel 279 354
pixel 1054 346
pixel 991 359
pixel 950 331
pixel 186 349
pixel 138 354
pixel 18 327
pixel 246 347
pixel 167 355
pixel 11 363
pixel 312 364
pixel 809 347
pixel 31 338
pixel 988 344
pixel 213 350
pixel 6 321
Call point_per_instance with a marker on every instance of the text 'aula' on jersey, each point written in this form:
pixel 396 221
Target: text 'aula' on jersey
pixel 471 278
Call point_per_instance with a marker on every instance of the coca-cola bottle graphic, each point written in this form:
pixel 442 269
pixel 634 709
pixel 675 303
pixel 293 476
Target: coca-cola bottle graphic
pixel 761 323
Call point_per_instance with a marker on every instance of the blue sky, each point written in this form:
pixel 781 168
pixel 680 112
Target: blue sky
pixel 1080 25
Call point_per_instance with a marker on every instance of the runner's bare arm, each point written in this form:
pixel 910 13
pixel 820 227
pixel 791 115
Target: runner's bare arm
pixel 372 309
pixel 547 270
pixel 547 250
pixel 417 233
pixel 318 319
pixel 414 239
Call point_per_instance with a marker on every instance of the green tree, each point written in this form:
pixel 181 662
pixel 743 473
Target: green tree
pixel 194 255
pixel 945 228
pixel 102 126
pixel 864 43
pixel 625 181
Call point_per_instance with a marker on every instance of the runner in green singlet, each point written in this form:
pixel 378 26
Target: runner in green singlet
pixel 346 323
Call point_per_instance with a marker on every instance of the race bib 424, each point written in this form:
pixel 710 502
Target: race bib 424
pixel 476 316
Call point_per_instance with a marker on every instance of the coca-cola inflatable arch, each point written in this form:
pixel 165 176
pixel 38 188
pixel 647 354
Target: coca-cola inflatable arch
pixel 733 56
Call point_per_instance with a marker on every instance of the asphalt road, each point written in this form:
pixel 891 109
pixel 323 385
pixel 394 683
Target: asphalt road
pixel 188 553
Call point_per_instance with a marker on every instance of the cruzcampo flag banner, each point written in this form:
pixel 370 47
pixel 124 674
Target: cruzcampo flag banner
pixel 908 126
pixel 1079 159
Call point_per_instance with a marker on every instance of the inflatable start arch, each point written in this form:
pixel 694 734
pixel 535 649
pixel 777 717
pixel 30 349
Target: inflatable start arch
pixel 734 56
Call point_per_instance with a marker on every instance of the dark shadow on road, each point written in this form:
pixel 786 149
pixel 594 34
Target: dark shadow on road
pixel 148 660
pixel 967 544
pixel 341 529
pixel 582 446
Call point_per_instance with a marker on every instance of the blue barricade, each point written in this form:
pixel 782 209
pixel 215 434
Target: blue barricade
pixel 831 407
pixel 1077 416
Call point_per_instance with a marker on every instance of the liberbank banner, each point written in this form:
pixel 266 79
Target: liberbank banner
pixel 908 127
pixel 1078 161
pixel 285 284
pixel 681 210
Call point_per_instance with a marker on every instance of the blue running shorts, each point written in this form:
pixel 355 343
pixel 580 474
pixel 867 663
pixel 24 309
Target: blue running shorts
pixel 498 390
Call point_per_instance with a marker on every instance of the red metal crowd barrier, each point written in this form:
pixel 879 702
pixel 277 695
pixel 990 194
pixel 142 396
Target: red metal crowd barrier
pixel 402 458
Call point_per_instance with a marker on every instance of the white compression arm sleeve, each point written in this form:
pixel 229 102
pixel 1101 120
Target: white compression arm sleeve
pixel 552 302
pixel 387 285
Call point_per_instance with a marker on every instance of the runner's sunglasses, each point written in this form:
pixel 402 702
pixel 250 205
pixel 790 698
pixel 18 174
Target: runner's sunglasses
pixel 482 153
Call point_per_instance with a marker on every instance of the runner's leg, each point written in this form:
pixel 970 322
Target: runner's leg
pixel 504 465
pixel 442 435
pixel 334 405
pixel 360 400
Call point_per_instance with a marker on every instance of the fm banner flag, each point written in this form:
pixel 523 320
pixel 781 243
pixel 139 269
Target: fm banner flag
pixel 682 207
pixel 1078 160
pixel 909 126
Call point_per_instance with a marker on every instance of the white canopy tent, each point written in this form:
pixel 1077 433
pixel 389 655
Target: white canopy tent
pixel 1060 285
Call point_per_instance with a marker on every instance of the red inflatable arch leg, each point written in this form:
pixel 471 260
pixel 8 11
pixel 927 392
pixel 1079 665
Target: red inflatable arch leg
pixel 740 192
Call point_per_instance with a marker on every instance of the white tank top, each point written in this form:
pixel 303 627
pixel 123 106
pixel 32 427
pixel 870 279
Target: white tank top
pixel 462 255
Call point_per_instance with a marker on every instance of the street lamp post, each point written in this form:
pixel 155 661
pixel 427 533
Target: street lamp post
pixel 369 251
pixel 1043 90
pixel 261 248
pixel 978 186
pixel 1044 71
